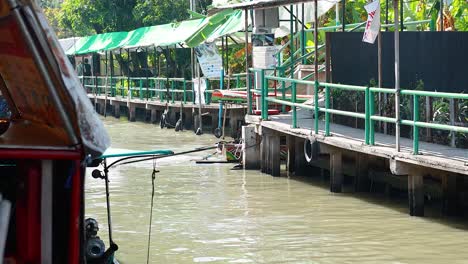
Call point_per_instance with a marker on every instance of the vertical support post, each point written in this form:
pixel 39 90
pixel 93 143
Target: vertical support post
pixel 327 114
pixel 379 62
pixel 185 91
pixel 172 90
pixel 275 155
pixel 291 144
pixel 246 30
pixel 316 107
pixel 237 81
pixel 291 41
pixel 303 36
pixel 141 89
pixel 371 122
pixel 132 112
pixel 129 88
pixel 452 121
pixel 343 11
pixel 328 57
pixel 264 83
pixel 367 114
pixel 402 18
pixel 416 194
pixel 249 94
pixel 300 163
pixel 397 76
pixel 386 14
pixel 220 111
pixel 200 119
pixel 415 127
pixel 441 15
pixel 449 194
pixel 264 152
pixel 283 90
pixel 337 15
pixel 116 109
pixel 96 84
pixel 112 73
pixel 361 179
pixel 251 148
pixel 153 115
pixel 316 112
pixel 336 172
pixel 294 112
pixel 428 118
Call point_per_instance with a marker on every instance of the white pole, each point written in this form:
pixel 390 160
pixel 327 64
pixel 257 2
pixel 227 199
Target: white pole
pixel 199 99
pixel 397 76
pixel 337 14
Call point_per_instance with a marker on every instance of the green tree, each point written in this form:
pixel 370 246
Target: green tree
pixel 100 16
pixel 157 12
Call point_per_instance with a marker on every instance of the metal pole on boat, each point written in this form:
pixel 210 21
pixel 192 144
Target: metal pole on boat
pixel 109 219
pixel 397 76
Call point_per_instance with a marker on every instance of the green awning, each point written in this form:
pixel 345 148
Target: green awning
pixel 234 23
pixel 210 25
pixel 183 31
pixel 97 43
pixel 148 36
pixel 191 32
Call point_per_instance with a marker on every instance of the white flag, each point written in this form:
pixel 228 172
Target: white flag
pixel 372 25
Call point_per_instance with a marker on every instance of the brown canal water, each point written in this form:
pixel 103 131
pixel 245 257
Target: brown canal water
pixel 211 214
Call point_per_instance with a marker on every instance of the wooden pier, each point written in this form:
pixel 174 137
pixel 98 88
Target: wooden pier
pixel 344 152
pixel 155 108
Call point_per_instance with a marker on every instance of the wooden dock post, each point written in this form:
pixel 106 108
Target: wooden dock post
pixel 132 113
pixel 361 179
pixel 267 154
pixel 274 149
pixel 336 172
pixel 187 118
pixel 251 148
pixel 116 109
pixel 416 193
pixel 234 117
pixel 263 151
pixel 154 115
pixel 449 194
pixel 291 159
pixel 415 185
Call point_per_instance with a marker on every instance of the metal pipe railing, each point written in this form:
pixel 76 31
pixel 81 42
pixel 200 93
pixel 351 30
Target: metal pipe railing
pixel 369 102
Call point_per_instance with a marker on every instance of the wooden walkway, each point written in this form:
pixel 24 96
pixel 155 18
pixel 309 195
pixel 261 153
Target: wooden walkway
pixel 158 103
pixel 431 155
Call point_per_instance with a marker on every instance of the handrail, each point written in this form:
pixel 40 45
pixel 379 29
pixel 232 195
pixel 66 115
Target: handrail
pixel 369 114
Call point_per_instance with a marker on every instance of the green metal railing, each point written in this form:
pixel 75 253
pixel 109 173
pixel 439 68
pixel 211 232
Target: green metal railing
pixel 368 116
pixel 169 90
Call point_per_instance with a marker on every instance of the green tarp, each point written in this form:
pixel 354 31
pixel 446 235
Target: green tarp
pixel 191 32
pixel 97 43
pixel 234 23
pixel 210 25
pixel 148 36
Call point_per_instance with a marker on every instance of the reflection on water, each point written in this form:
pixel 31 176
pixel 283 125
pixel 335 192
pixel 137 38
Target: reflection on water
pixel 209 213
